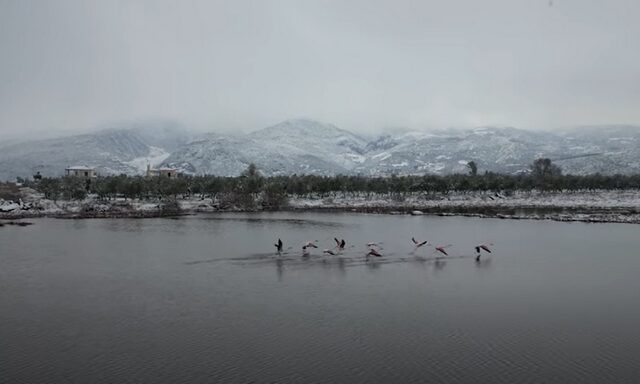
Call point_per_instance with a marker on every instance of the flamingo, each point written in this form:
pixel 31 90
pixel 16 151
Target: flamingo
pixel 373 252
pixel 481 247
pixel 340 244
pixel 373 245
pixel 310 244
pixel 441 249
pixel 419 244
pixel 279 245
pixel 330 252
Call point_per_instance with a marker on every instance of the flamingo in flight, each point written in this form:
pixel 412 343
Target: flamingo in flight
pixel 309 244
pixel 373 252
pixel 482 247
pixel 419 244
pixel 340 244
pixel 329 251
pixel 441 249
pixel 279 245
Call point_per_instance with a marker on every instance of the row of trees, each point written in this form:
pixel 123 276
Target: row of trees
pixel 252 188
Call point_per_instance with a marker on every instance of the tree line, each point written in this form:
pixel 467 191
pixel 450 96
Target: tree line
pixel 251 188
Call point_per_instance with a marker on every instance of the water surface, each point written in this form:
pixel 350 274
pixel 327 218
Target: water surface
pixel 205 299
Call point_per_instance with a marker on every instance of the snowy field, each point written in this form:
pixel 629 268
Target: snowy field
pixel 596 199
pixel 592 206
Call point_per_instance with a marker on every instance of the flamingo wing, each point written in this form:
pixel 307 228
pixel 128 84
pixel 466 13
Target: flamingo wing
pixel 373 252
pixel 485 248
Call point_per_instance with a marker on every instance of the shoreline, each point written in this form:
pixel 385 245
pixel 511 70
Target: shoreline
pixel 553 213
pixel 548 213
pixel 589 207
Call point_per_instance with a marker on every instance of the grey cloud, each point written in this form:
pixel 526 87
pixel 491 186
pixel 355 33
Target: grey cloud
pixel 364 65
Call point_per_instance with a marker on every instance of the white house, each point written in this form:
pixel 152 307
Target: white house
pixel 170 173
pixel 80 171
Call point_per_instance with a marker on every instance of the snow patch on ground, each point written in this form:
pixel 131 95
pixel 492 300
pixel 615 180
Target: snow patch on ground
pixel 8 206
pixel 358 159
pixel 381 156
pixel 596 206
pixel 593 206
pixel 598 199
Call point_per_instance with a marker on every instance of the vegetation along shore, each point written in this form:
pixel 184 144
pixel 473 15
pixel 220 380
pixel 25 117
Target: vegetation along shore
pixel 543 193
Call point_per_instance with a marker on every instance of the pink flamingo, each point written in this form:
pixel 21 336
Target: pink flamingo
pixel 441 249
pixel 419 244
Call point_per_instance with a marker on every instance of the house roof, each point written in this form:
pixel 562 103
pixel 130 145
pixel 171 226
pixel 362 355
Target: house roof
pixel 79 168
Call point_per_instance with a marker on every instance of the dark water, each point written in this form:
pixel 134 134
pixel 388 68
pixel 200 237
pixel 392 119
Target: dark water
pixel 203 299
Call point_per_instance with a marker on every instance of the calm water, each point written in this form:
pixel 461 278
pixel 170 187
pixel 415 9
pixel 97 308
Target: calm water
pixel 204 299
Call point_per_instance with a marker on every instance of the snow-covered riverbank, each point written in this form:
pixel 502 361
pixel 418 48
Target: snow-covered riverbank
pixel 593 206
pixel 595 199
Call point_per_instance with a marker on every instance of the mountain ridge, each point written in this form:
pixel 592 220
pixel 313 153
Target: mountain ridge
pixel 304 146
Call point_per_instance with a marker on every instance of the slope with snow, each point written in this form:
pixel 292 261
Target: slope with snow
pixel 225 155
pixel 110 151
pixel 309 147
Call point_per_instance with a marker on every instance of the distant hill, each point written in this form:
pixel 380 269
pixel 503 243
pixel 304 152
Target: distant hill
pixel 111 151
pixel 309 147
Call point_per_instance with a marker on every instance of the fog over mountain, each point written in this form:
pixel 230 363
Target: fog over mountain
pixel 364 65
pixel 303 146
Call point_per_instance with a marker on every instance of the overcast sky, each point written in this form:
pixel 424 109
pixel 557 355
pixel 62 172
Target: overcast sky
pixel 363 65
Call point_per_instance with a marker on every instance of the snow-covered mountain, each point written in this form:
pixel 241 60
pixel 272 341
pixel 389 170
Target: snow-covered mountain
pixel 448 151
pixel 230 155
pixel 305 146
pixel 311 138
pixel 610 149
pixel 309 147
pixel 112 151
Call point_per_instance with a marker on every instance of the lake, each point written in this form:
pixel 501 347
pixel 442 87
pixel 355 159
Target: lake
pixel 204 299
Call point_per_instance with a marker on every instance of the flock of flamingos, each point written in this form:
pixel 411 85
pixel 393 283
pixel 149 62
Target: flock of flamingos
pixel 374 248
